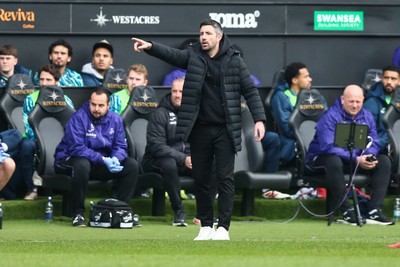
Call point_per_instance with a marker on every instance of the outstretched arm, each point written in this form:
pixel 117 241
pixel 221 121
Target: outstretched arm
pixel 140 45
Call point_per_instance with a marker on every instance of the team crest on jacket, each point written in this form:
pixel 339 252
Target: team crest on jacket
pixel 172 118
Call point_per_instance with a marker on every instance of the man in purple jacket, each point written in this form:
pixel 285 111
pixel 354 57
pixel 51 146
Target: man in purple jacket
pixel 323 156
pixel 94 147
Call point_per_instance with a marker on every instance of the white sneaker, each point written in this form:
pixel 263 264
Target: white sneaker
pixel 221 234
pixel 205 233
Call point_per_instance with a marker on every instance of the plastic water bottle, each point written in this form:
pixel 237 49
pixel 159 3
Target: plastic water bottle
pixel 1 216
pixel 91 205
pixel 48 216
pixel 396 210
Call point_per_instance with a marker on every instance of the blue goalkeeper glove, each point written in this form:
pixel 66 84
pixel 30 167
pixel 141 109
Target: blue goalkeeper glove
pixel 112 165
pixel 116 161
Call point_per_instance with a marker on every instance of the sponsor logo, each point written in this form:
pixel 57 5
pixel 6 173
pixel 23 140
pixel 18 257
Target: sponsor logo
pixel 102 19
pixel 54 103
pixel 21 91
pixel 26 17
pixel 311 100
pixel 91 135
pixel 338 20
pixel 237 20
pixel 53 96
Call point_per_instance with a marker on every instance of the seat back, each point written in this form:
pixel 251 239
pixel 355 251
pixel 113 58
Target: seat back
pixel 279 77
pixel 48 119
pixel 142 103
pixel 371 76
pixel 309 108
pixel 391 121
pixel 271 126
pixel 114 80
pixel 12 101
pixel 251 157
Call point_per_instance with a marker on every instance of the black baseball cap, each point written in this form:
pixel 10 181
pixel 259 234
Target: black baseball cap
pixel 103 44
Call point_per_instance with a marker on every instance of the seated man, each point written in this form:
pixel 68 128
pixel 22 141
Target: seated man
pixel 60 55
pixel 164 154
pixel 136 75
pixel 378 100
pixel 323 156
pixel 10 141
pixel 283 102
pixel 94 147
pixel 9 64
pixel 102 60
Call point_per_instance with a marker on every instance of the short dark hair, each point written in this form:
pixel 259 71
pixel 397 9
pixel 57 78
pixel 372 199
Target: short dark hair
pixel 391 68
pixel 293 70
pixel 52 70
pixel 61 42
pixel 99 90
pixel 215 24
pixel 9 50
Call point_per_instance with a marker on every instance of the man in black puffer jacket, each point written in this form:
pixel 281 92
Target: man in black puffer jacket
pixel 210 116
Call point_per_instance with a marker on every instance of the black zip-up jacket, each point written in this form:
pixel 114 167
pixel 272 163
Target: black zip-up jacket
pixel 161 140
pixel 235 82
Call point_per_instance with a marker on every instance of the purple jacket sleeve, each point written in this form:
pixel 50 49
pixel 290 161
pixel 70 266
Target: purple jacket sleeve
pixel 119 148
pixel 74 138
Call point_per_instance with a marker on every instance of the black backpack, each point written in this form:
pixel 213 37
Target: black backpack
pixel 112 213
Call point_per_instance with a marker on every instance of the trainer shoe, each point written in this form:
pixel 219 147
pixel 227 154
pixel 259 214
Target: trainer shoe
pixel 205 233
pixel 376 216
pixel 135 221
pixel 179 219
pixel 33 195
pixel 221 234
pixel 349 217
pixel 271 194
pixel 78 221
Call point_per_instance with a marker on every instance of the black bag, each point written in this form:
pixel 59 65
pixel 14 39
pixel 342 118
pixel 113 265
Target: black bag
pixel 111 213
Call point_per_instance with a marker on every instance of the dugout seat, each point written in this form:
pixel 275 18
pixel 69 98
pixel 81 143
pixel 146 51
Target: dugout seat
pixel 249 175
pixel 11 103
pixel 391 121
pixel 371 76
pixel 114 80
pixel 48 119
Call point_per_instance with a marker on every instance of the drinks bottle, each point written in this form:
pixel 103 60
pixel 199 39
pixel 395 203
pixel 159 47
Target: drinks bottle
pixel 49 211
pixel 396 210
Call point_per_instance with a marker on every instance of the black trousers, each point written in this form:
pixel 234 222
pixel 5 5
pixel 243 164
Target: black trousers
pixel 334 169
pixel 81 171
pixel 170 172
pixel 212 143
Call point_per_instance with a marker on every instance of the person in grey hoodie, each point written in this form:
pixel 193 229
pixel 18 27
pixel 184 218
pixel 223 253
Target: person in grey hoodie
pixel 102 60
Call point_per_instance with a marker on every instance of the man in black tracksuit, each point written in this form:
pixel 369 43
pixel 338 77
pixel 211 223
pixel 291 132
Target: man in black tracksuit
pixel 164 153
pixel 210 116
